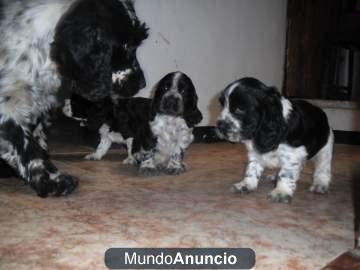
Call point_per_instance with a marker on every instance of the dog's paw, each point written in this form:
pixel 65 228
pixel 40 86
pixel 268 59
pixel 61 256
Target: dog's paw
pixel 279 196
pixel 320 189
pixel 148 171
pixel 41 183
pixel 92 156
pixel 242 187
pixel 130 161
pixel 175 170
pixel 65 184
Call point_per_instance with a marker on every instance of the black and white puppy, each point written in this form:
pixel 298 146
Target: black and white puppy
pixel 278 133
pixel 120 123
pixel 156 131
pixel 174 113
pixel 88 44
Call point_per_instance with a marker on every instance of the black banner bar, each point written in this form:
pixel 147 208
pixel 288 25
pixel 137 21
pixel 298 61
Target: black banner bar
pixel 180 258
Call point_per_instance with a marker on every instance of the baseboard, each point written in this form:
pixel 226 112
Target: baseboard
pixel 207 134
pixel 347 137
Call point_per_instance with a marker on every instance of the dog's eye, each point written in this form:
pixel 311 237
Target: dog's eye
pixel 167 86
pixel 182 90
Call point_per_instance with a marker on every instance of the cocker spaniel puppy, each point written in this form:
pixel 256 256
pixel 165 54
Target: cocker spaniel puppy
pixel 278 133
pixel 173 115
pixel 88 45
pixel 119 123
pixel 156 131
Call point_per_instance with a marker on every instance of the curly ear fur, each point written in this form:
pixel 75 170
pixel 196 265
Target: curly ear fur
pixel 86 59
pixel 193 116
pixel 155 101
pixel 272 126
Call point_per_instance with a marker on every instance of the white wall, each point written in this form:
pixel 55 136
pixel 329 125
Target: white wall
pixel 214 42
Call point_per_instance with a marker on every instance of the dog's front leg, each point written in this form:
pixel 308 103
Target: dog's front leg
pixel 253 173
pixel 148 166
pixel 31 162
pixel 287 178
pixel 175 165
pixel 40 136
pixel 130 160
pixel 104 145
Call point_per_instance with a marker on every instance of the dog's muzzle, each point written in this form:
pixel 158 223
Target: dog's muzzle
pixel 225 130
pixel 222 126
pixel 171 105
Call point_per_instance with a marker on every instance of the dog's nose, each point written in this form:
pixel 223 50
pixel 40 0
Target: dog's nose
pixel 171 105
pixel 222 125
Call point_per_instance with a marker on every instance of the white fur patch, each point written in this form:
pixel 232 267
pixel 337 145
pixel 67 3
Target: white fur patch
pixel 289 159
pixel 67 109
pixel 26 64
pixel 107 138
pixel 233 134
pixel 173 137
pixel 277 158
pixel 104 145
pixel 176 79
pixel 286 107
pixel 322 161
pixel 16 103
pixel 120 76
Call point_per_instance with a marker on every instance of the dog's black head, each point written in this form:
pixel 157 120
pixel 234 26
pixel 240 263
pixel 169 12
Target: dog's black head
pixel 95 46
pixel 175 95
pixel 252 111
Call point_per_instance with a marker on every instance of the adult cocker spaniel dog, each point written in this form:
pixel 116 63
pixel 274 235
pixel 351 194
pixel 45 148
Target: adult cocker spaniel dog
pixel 87 45
pixel 277 132
pixel 156 131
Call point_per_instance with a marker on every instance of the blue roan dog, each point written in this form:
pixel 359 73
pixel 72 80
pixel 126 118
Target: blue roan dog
pixel 156 131
pixel 89 44
pixel 277 132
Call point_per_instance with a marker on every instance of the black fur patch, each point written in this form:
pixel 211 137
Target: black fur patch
pixel 95 39
pixel 308 126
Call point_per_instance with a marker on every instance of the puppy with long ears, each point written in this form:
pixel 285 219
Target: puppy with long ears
pixel 173 115
pixel 119 122
pixel 156 131
pixel 278 133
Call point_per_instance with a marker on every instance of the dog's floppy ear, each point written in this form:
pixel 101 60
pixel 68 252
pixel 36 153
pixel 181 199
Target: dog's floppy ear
pixel 85 58
pixel 155 100
pixel 272 126
pixel 192 115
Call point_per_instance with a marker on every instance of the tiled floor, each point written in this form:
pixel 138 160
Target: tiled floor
pixel 113 207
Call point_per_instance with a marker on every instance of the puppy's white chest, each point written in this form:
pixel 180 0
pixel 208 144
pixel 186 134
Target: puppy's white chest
pixel 172 133
pixel 280 157
pixel 270 159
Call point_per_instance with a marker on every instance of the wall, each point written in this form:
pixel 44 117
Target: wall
pixel 214 42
